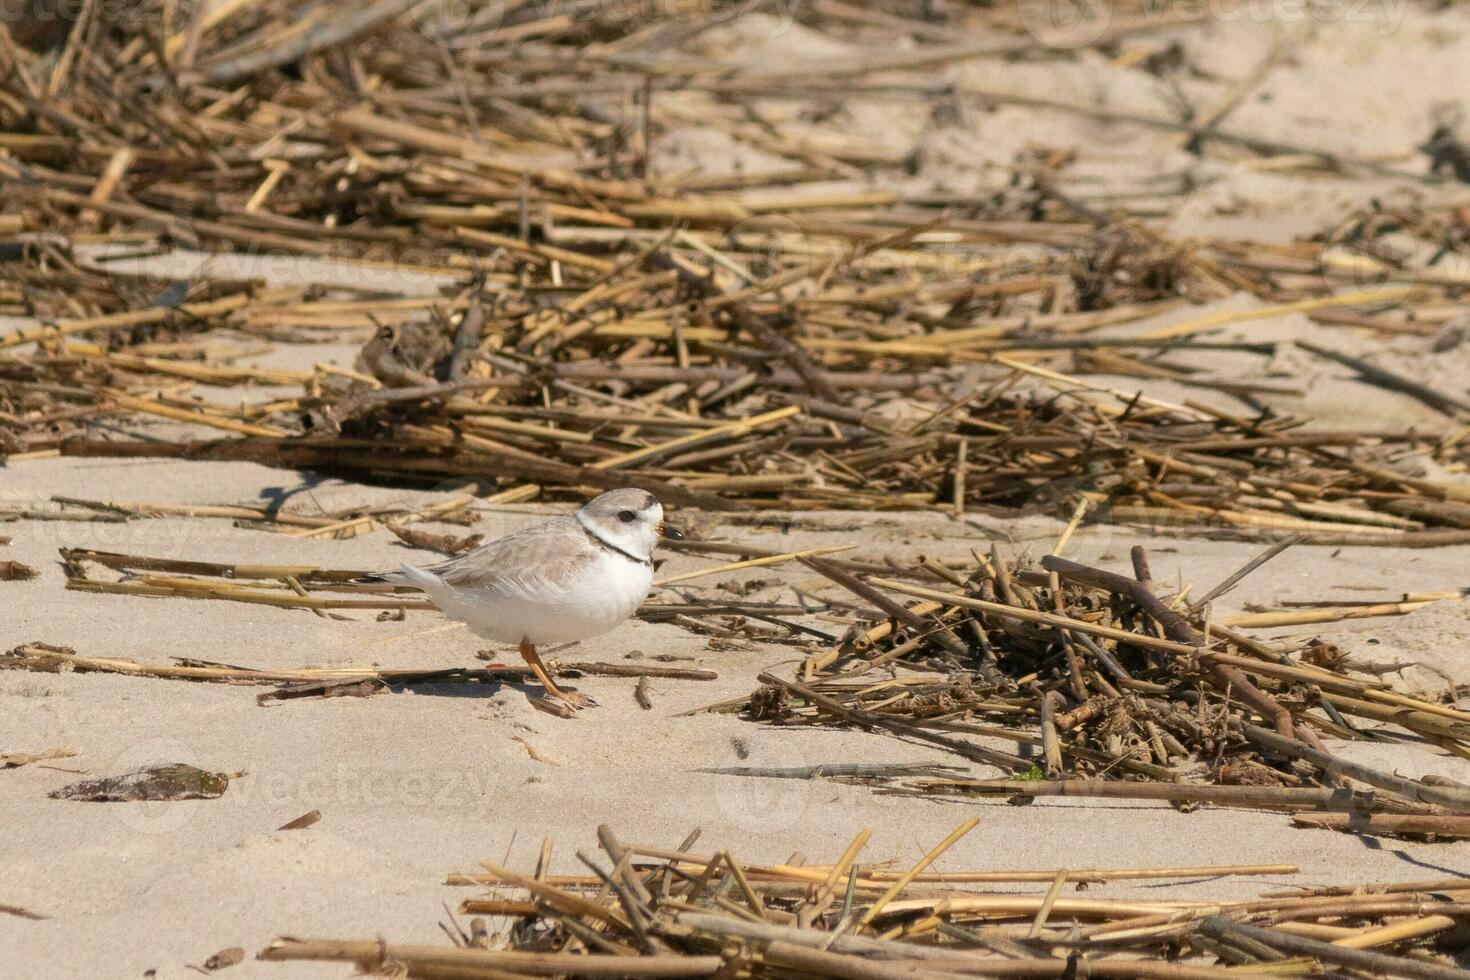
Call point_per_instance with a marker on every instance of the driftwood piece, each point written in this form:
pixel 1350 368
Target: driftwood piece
pixel 1436 826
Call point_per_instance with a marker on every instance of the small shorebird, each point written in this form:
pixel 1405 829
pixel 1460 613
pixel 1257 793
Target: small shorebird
pixel 570 578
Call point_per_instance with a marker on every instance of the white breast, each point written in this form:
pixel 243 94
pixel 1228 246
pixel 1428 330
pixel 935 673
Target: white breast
pixel 592 601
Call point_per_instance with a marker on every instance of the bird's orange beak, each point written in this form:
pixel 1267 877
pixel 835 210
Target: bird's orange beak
pixel 672 533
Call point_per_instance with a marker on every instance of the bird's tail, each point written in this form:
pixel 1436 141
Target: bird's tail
pixel 420 578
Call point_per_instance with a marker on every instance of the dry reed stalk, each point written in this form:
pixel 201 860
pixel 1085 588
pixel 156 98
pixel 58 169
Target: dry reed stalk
pixel 51 659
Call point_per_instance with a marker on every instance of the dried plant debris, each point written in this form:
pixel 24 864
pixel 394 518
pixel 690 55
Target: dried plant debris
pixel 14 760
pixel 1447 153
pixel 648 911
pixel 14 571
pixel 318 682
pixel 21 913
pixel 445 544
pixel 534 752
pixel 307 819
pixel 347 687
pixel 225 957
pixel 172 782
pixel 1413 826
pixel 857 772
pixel 540 309
pixel 1074 680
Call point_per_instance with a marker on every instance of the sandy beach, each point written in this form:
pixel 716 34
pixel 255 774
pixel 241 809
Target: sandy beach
pixel 427 780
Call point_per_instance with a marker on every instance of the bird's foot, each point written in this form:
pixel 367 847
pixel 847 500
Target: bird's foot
pixel 573 699
pixel 570 700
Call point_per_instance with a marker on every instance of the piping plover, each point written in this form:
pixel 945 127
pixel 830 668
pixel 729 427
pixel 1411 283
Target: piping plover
pixel 570 578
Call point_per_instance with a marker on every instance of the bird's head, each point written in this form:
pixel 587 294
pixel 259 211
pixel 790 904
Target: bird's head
pixel 630 519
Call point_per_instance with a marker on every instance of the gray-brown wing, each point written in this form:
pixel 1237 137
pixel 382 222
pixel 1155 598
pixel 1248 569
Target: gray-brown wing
pixel 531 560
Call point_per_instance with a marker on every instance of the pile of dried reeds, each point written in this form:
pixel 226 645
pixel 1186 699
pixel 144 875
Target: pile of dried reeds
pixel 1124 695
pixel 539 309
pixel 654 912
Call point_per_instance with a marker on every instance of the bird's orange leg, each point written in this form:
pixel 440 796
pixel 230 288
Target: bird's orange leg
pixel 570 698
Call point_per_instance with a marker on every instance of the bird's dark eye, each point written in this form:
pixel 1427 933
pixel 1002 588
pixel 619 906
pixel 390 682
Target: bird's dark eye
pixel 626 516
